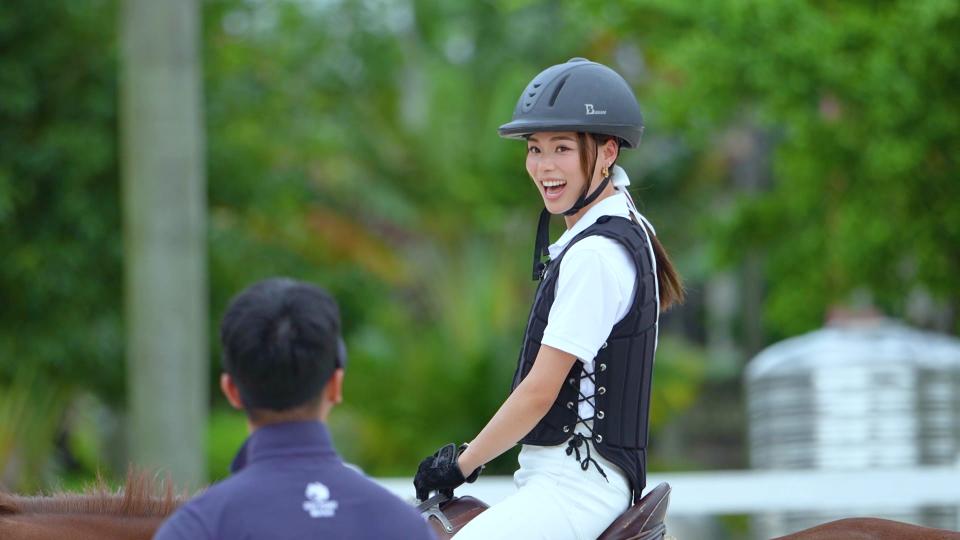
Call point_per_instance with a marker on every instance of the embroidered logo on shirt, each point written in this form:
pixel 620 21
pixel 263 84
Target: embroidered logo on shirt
pixel 318 503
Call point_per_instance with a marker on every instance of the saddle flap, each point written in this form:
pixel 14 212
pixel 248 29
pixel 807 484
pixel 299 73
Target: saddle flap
pixel 642 518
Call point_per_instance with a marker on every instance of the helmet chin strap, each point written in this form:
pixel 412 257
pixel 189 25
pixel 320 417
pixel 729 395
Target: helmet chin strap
pixel 543 227
pixel 585 199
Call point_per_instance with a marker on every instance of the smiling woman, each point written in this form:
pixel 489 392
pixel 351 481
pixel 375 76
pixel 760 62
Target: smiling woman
pixel 581 392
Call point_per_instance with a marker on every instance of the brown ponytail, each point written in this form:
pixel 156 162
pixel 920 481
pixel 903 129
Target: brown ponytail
pixel 671 284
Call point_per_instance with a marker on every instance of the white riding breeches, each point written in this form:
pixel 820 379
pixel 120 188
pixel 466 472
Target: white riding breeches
pixel 555 499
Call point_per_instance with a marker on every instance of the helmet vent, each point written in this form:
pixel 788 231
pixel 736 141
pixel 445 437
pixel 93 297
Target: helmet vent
pixel 556 91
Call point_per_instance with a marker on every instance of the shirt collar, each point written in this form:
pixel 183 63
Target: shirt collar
pixel 286 439
pixel 614 205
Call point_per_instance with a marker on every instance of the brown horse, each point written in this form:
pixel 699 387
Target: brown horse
pixel 870 529
pixel 134 513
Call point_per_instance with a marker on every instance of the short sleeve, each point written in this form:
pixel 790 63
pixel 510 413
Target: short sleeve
pixel 594 290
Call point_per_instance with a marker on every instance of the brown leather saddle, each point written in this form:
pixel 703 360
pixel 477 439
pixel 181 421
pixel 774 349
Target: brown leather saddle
pixel 642 521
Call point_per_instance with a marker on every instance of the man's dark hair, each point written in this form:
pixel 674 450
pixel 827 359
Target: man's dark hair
pixel 281 343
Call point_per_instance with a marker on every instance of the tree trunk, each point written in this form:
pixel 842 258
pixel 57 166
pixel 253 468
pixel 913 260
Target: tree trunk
pixel 164 236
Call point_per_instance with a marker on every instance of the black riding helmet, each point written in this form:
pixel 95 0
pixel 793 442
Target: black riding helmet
pixel 578 95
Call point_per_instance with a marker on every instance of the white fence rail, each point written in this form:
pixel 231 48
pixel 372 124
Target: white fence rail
pixel 749 492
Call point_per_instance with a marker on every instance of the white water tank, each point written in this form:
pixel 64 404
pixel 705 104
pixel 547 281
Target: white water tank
pixel 860 394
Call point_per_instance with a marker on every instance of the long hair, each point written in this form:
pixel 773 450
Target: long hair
pixel 671 284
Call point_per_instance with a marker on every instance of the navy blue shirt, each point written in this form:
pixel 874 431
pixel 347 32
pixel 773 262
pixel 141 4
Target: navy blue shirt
pixel 289 483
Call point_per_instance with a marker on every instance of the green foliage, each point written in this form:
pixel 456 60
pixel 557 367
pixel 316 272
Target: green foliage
pixel 679 370
pixel 353 144
pixel 411 391
pixel 859 100
pixel 226 431
pixel 363 155
pixel 59 202
pixel 30 413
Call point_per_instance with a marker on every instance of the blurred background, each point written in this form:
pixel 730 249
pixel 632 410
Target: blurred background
pixel 799 160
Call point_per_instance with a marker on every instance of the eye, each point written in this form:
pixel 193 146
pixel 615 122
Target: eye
pixel 562 148
pixel 533 150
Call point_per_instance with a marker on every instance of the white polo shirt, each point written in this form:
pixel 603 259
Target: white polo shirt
pixel 595 290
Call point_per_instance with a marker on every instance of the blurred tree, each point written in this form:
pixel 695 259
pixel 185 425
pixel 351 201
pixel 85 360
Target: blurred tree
pixel 371 179
pixel 59 200
pixel 349 143
pixel 858 100
pixel 379 174
pixel 30 410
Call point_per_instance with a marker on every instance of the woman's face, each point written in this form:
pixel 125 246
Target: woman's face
pixel 553 162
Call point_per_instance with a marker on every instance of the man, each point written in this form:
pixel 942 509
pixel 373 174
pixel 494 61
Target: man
pixel 283 365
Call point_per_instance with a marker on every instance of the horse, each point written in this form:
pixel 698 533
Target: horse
pixel 645 521
pixel 133 513
pixel 870 529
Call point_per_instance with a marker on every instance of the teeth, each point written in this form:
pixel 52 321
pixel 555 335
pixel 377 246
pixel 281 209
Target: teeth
pixel 553 183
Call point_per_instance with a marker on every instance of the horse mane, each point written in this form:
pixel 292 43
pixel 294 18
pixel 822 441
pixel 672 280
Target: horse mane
pixel 141 496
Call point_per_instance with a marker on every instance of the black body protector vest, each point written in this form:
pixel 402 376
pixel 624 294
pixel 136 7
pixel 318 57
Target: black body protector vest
pixel 623 367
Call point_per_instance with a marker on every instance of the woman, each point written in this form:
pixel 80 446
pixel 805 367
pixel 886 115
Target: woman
pixel 581 392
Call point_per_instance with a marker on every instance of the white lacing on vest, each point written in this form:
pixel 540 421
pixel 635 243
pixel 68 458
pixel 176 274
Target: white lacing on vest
pixel 579 440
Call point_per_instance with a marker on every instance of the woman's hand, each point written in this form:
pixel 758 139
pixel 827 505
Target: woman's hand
pixel 440 471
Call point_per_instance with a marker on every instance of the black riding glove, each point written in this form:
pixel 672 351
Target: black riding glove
pixel 441 472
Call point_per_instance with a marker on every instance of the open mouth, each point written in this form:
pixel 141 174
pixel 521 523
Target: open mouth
pixel 552 189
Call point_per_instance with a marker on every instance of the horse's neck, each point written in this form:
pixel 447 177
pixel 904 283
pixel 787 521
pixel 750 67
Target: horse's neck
pixel 870 529
pixel 77 527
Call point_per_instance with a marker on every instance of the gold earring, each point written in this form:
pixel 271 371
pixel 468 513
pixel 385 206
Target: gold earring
pixel 604 171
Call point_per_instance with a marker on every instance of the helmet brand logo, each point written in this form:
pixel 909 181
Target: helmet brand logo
pixel 591 110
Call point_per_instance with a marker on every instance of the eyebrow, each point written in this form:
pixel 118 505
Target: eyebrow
pixel 554 138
